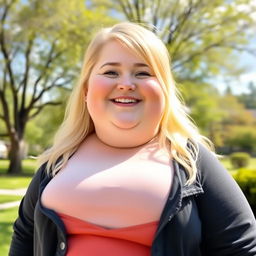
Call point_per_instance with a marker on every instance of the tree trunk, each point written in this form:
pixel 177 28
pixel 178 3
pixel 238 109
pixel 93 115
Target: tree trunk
pixel 16 154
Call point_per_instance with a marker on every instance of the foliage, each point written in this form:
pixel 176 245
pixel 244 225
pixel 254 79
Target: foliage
pixel 239 159
pixel 197 33
pixel 222 118
pixel 41 130
pixel 236 127
pixel 249 99
pixel 246 179
pixel 241 137
pixel 235 112
pixel 202 102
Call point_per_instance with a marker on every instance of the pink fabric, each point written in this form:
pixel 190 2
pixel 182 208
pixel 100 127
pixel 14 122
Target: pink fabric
pixel 93 240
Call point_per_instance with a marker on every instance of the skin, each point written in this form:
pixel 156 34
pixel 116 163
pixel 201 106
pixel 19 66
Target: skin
pixel 115 78
pixel 112 187
pixel 122 160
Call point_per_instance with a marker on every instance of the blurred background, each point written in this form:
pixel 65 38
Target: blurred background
pixel 212 45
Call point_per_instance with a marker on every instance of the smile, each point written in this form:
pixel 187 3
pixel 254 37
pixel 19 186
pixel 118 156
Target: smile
pixel 125 100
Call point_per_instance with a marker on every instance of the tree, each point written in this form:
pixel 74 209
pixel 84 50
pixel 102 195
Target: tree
pixel 41 130
pixel 202 36
pixel 241 138
pixel 235 112
pixel 249 99
pixel 203 106
pixel 41 43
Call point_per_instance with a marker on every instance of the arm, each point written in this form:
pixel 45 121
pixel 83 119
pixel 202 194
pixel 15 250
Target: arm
pixel 228 224
pixel 22 239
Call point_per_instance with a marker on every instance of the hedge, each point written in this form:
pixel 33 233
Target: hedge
pixel 246 179
pixel 239 159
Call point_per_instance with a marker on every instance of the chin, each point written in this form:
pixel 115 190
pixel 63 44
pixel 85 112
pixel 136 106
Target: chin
pixel 129 142
pixel 125 125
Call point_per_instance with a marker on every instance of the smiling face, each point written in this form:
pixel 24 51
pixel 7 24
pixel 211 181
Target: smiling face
pixel 124 98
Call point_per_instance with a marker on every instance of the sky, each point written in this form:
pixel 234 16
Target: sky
pixel 240 84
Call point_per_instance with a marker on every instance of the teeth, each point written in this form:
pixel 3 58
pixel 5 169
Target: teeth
pixel 125 100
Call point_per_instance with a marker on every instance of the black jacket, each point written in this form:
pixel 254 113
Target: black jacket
pixel 209 217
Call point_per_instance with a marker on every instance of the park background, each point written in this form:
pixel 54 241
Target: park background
pixel 212 45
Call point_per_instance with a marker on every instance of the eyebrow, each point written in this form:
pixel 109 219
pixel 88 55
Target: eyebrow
pixel 119 64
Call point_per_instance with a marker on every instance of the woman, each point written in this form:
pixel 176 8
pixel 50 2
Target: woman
pixel 128 173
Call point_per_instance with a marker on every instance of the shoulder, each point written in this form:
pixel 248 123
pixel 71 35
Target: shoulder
pixel 36 180
pixel 208 163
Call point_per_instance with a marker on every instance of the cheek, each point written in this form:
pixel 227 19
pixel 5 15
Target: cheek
pixel 98 87
pixel 96 93
pixel 155 94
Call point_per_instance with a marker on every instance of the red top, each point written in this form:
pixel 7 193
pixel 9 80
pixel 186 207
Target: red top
pixel 94 240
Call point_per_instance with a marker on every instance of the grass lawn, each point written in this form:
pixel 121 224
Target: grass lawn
pixel 17 181
pixel 9 198
pixel 7 218
pixel 29 167
pixel 13 182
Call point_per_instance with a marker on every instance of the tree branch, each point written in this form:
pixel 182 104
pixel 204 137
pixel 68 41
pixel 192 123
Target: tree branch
pixel 50 59
pixel 192 56
pixel 3 87
pixel 7 61
pixel 155 12
pixel 45 89
pixel 26 72
pixel 41 107
pixel 127 9
pixel 6 114
pixel 182 20
pixel 137 10
pixel 171 17
pixel 242 49
pixel 196 34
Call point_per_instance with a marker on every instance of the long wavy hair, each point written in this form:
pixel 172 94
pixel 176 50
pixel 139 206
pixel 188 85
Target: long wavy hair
pixel 176 128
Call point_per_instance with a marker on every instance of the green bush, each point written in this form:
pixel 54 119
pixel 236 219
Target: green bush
pixel 246 179
pixel 239 159
pixel 241 137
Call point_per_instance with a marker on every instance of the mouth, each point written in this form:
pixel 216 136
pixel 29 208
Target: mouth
pixel 129 101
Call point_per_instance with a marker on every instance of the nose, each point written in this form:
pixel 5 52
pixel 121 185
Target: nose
pixel 128 86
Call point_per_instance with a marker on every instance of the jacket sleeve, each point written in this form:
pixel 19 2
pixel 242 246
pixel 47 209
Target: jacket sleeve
pixel 23 228
pixel 228 224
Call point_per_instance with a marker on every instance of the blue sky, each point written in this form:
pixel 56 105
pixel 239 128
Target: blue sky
pixel 248 61
pixel 240 83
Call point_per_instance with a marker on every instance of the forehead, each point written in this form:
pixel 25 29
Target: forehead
pixel 114 51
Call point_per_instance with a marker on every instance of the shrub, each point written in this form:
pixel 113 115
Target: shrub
pixel 246 179
pixel 239 159
pixel 241 137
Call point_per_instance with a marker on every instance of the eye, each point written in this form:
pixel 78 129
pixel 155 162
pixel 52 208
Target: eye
pixel 110 73
pixel 142 74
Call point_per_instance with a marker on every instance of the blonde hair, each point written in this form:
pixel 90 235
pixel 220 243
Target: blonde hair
pixel 176 128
